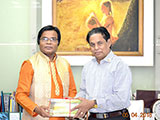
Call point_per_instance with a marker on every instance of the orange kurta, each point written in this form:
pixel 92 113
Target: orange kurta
pixel 24 85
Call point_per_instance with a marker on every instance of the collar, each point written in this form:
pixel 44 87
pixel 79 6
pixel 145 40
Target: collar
pixel 46 57
pixel 107 59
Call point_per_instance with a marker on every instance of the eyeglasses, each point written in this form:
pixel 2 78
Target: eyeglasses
pixel 52 39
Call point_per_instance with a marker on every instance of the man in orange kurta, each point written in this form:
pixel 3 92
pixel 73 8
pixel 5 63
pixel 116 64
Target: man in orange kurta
pixel 45 75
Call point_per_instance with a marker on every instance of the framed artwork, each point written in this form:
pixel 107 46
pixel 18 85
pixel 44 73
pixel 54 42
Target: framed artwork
pixel 122 18
pixel 147 59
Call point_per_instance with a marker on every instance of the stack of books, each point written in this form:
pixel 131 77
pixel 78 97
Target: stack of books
pixel 9 106
pixel 62 107
pixel 8 102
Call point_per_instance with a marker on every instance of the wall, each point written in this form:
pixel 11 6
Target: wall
pixel 14 40
pixel 20 19
pixel 157 45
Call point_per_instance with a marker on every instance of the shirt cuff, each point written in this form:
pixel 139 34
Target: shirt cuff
pixel 32 113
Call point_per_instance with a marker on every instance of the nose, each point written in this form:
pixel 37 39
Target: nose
pixel 96 46
pixel 48 41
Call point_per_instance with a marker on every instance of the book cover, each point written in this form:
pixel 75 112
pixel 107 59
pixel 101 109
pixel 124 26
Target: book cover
pixel 10 103
pixel 6 101
pixel 0 105
pixel 62 107
pixel 2 101
pixel 13 103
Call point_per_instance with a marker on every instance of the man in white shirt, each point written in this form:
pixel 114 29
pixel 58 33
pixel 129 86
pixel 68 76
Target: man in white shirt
pixel 106 81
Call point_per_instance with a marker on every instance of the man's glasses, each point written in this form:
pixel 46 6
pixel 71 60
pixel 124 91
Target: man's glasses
pixel 52 39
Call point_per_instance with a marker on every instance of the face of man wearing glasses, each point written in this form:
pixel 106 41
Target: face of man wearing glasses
pixel 49 43
pixel 99 47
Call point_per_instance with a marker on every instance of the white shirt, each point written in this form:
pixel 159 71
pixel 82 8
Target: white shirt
pixel 109 83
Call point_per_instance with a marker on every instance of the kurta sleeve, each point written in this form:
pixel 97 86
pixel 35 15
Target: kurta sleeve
pixel 72 85
pixel 23 89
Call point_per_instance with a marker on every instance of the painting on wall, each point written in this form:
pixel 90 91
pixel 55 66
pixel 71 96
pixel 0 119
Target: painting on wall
pixel 122 18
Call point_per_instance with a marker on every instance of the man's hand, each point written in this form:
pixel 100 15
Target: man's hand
pixel 83 107
pixel 42 111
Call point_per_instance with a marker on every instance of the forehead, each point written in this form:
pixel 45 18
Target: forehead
pixel 96 37
pixel 49 33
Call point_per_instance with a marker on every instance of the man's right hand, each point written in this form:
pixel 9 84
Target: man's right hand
pixel 42 111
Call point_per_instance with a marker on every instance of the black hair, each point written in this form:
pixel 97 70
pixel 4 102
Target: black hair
pixel 102 30
pixel 47 28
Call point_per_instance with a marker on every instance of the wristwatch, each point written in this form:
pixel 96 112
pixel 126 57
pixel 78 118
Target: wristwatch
pixel 156 109
pixel 95 105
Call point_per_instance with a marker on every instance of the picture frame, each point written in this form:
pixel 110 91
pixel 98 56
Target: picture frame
pixel 148 37
pixel 70 45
